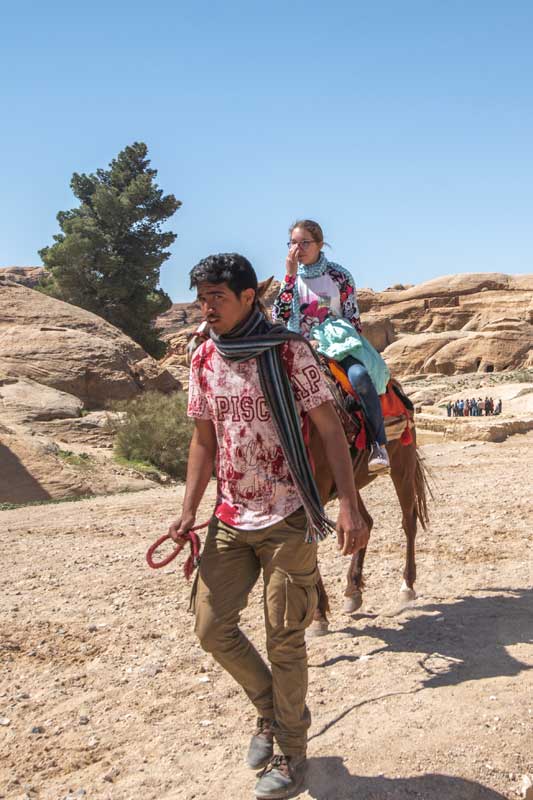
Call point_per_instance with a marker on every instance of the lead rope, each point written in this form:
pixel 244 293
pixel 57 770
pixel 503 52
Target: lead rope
pixel 193 559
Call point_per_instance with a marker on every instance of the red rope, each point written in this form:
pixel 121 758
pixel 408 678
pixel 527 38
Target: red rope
pixel 193 559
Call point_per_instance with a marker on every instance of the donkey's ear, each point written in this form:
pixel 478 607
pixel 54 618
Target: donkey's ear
pixel 264 286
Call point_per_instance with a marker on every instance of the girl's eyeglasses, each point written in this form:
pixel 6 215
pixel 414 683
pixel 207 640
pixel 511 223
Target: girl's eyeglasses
pixel 304 244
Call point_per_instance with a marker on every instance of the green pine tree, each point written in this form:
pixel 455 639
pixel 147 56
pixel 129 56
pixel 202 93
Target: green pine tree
pixel 108 257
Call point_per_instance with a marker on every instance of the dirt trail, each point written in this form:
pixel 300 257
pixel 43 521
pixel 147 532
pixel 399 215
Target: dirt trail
pixel 434 702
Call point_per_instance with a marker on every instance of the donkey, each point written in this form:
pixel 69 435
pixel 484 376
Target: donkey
pixel 410 482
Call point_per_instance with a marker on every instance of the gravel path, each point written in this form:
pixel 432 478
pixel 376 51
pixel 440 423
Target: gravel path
pixel 104 690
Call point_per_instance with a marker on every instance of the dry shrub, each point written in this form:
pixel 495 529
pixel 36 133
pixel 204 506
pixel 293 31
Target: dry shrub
pixel 154 428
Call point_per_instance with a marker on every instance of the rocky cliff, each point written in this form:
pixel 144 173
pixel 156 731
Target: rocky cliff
pixel 458 323
pixel 26 276
pixel 57 361
pixel 66 348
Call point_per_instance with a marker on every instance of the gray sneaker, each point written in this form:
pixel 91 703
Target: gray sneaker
pixel 379 458
pixel 283 777
pixel 261 745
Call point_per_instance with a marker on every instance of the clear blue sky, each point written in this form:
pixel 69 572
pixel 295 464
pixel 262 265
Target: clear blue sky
pixel 404 126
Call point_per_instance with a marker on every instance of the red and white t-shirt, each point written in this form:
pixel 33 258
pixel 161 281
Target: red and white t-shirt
pixel 255 488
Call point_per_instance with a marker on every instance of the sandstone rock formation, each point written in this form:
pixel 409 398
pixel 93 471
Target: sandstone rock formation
pixel 464 323
pixel 72 350
pixel 93 430
pixel 23 400
pixel 461 351
pixel 179 317
pixel 32 470
pixel 26 276
pixel 55 361
pixel 485 429
pixel 456 323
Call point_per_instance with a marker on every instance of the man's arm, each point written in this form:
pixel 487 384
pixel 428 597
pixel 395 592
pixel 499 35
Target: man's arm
pixel 202 452
pixel 352 531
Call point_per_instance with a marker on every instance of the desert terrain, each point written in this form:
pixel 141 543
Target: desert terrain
pixel 104 690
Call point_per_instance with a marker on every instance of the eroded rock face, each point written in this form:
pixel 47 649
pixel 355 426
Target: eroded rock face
pixel 23 400
pixel 180 316
pixel 457 323
pixel 26 276
pixel 31 469
pixel 483 429
pixel 465 302
pixel 92 429
pixel 461 351
pixel 69 349
pixel 378 330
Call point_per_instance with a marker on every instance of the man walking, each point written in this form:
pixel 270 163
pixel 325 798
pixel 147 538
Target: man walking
pixel 252 387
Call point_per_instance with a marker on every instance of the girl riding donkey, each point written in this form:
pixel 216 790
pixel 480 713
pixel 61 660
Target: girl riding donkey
pixel 406 466
pixel 317 299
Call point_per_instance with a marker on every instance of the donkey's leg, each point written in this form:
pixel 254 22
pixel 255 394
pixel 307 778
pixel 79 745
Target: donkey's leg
pixel 403 474
pixel 353 594
pixel 320 624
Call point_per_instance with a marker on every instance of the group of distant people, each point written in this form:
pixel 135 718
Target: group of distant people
pixel 473 408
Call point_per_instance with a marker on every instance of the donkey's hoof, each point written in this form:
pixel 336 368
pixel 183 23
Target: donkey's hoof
pixel 407 594
pixel 318 627
pixel 352 602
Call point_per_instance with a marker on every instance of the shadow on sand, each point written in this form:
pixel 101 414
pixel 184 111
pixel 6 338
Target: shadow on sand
pixel 461 641
pixel 328 779
pixel 17 485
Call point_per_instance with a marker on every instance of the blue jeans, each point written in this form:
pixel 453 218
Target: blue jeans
pixel 362 383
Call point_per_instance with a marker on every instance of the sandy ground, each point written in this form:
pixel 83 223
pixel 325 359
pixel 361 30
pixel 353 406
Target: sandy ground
pixel 104 692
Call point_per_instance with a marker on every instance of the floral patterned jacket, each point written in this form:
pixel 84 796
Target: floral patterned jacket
pixel 317 298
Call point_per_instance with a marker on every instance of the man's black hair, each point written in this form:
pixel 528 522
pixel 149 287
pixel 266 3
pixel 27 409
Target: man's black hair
pixel 230 268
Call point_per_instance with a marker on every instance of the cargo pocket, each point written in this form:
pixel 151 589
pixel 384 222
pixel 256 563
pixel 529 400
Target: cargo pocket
pixel 296 522
pixel 301 599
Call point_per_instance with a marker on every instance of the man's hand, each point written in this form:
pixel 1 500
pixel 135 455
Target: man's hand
pixel 352 530
pixel 180 527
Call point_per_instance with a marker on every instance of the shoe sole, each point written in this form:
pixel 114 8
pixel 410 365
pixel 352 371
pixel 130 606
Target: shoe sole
pixel 378 468
pixel 284 794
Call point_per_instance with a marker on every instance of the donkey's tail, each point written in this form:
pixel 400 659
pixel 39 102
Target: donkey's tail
pixel 422 490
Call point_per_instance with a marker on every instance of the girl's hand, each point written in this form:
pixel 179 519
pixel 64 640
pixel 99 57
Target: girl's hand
pixel 291 262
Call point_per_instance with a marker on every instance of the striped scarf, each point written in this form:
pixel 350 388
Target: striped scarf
pixel 257 338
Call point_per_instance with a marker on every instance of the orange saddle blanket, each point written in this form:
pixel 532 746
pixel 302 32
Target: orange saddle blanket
pixel 396 407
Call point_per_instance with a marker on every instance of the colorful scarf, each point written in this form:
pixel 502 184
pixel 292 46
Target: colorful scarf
pixel 257 338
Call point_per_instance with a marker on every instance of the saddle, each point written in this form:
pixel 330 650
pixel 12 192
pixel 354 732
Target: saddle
pixel 397 408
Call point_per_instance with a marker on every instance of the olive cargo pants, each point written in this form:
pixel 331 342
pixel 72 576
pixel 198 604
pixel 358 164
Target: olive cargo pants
pixel 231 563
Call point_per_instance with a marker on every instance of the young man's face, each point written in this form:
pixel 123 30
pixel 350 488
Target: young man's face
pixel 221 307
